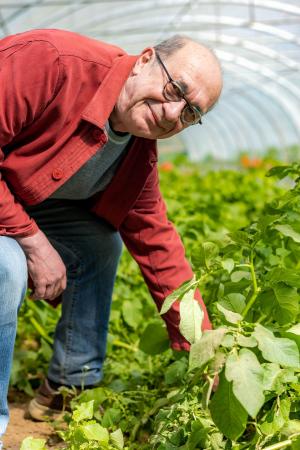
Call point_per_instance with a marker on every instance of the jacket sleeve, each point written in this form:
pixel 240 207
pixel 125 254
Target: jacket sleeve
pixel 156 246
pixel 28 77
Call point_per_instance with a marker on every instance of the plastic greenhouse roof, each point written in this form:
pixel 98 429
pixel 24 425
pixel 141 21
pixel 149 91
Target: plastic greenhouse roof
pixel 257 41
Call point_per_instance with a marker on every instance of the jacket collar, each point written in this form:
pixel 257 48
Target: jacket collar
pixel 101 105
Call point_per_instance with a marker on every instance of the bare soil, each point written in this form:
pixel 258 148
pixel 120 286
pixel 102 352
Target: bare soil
pixel 21 427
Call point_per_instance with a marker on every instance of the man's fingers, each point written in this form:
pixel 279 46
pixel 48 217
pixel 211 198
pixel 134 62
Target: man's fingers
pixel 54 290
pixel 59 288
pixel 38 293
pixel 49 292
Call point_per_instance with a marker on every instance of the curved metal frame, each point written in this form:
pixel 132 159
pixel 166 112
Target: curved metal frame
pixel 286 105
pixel 288 97
pixel 266 114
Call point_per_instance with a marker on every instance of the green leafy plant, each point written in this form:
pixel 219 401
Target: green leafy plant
pixel 241 231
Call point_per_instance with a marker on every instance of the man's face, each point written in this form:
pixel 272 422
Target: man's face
pixel 142 109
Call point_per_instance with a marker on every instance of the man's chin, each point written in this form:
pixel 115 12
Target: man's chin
pixel 145 129
pixel 159 134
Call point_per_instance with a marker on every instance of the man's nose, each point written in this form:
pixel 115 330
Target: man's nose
pixel 172 110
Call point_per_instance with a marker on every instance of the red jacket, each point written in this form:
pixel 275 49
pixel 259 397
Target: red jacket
pixel 57 91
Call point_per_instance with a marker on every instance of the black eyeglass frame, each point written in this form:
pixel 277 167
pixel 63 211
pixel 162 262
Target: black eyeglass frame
pixel 182 95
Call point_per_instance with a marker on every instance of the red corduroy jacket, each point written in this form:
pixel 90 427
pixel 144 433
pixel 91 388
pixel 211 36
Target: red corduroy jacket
pixel 57 91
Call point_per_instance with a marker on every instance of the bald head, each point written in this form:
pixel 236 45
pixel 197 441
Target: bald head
pixel 148 106
pixel 197 58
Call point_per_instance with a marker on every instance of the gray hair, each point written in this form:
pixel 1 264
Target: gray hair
pixel 170 46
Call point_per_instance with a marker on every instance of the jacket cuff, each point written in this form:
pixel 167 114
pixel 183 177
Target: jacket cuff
pixel 18 232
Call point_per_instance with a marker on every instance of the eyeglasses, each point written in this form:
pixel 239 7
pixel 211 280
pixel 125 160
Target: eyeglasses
pixel 190 115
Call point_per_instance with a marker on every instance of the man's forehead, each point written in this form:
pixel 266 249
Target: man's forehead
pixel 185 66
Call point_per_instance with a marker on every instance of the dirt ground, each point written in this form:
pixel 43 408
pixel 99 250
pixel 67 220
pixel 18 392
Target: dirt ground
pixel 21 427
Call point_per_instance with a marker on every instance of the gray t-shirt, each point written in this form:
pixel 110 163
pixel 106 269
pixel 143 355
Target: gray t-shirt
pixel 97 172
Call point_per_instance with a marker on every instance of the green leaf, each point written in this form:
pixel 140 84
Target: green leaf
pixel 30 443
pixel 210 251
pixel 230 316
pixel 240 237
pixel 241 286
pixel 288 276
pixel 216 364
pixel 272 375
pixel 117 439
pixel 246 341
pixel 228 264
pixel 227 412
pixel 264 221
pixel 295 329
pixel 94 432
pixel 204 436
pixel 111 417
pixel 131 313
pixel 205 255
pixel 281 301
pixel 176 371
pixel 289 376
pixel 238 275
pixel 294 334
pixel 278 350
pixel 289 231
pixel 154 339
pixel 228 341
pixel 291 427
pixel 245 372
pixel 84 411
pixel 204 350
pixel 176 295
pixel 198 437
pixel 234 302
pixel 276 418
pixel 98 395
pixel 296 443
pixel 279 171
pixel 191 317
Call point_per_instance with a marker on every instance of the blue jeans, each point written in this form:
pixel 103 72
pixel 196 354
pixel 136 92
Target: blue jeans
pixel 90 249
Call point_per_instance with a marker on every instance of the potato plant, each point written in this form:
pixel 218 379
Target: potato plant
pixel 254 277
pixel 242 233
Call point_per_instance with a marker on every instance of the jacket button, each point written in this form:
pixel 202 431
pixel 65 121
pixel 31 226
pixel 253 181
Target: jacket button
pixel 57 174
pixel 97 134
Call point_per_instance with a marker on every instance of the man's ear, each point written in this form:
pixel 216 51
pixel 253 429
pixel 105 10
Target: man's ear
pixel 146 57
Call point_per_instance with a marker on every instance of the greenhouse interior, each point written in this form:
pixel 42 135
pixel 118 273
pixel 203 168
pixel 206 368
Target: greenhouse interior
pixel 183 261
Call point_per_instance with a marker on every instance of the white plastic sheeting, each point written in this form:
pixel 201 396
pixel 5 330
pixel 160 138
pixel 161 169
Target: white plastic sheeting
pixel 257 41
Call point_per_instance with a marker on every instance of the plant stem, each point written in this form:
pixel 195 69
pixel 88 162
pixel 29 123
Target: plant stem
pixel 192 285
pixel 282 444
pixel 41 331
pixel 256 289
pixel 209 390
pixel 118 343
pixel 261 318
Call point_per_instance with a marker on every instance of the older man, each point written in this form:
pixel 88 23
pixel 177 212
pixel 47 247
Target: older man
pixel 79 121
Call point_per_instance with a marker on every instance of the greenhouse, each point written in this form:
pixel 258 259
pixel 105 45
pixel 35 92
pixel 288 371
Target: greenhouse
pixel 150 225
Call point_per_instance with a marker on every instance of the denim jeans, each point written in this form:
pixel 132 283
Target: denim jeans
pixel 90 249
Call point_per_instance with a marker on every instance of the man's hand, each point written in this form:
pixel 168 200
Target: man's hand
pixel 45 267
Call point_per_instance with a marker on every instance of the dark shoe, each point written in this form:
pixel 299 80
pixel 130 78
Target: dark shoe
pixel 49 403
